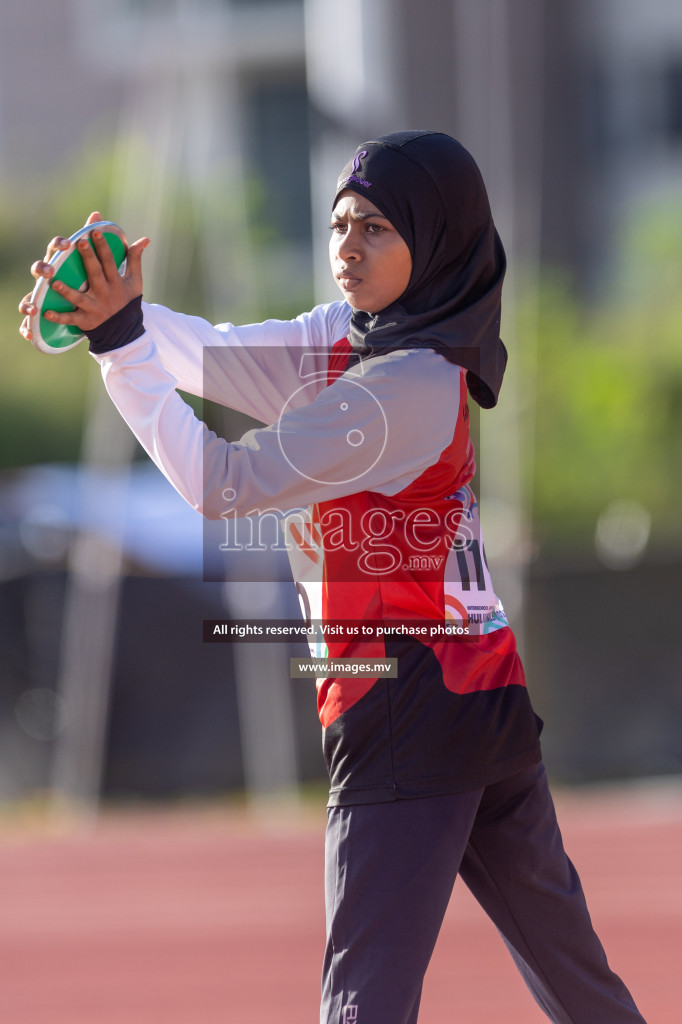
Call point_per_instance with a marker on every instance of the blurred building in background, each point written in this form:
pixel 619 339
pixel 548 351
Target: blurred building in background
pixel 573 109
pixel 588 91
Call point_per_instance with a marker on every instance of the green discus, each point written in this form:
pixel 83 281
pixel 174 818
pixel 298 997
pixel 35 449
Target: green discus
pixel 56 338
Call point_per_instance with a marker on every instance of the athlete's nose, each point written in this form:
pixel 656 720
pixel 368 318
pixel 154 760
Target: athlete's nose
pixel 349 246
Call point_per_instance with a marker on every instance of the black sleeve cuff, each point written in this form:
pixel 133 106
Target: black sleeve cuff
pixel 120 329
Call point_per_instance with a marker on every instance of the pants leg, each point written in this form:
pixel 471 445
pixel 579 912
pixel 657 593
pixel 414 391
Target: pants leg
pixel 516 867
pixel 390 869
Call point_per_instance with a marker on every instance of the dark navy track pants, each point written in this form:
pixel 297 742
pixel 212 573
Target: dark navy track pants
pixel 390 869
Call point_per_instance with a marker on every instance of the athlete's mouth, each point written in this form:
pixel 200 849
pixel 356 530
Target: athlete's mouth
pixel 348 281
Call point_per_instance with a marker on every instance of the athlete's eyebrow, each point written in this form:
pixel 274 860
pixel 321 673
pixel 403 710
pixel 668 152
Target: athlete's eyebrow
pixel 362 214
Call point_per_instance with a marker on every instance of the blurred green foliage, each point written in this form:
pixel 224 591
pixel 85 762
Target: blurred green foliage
pixel 43 398
pixel 605 404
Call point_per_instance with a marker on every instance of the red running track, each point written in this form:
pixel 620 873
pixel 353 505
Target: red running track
pixel 199 917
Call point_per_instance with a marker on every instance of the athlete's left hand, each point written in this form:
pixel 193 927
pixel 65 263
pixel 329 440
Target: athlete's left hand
pixel 107 291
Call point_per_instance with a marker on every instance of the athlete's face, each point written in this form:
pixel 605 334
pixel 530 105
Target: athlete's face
pixel 370 261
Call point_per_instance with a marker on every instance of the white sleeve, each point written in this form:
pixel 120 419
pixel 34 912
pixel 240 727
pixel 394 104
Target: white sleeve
pixel 377 428
pixel 253 368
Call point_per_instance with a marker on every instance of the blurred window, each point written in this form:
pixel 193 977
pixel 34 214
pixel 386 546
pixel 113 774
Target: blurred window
pixel 672 99
pixel 278 148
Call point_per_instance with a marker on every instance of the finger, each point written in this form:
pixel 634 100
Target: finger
pixel 94 218
pixel 73 295
pixel 73 317
pixel 105 256
pixel 134 262
pixel 91 261
pixel 27 307
pixel 42 269
pixel 25 329
pixel 58 244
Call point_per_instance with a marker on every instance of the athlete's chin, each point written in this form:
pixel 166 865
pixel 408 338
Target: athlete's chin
pixel 356 300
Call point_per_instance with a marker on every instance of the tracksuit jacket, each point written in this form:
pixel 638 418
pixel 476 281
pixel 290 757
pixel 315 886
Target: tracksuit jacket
pixel 369 462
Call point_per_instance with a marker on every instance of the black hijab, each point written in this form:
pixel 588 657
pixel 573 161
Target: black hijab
pixel 431 190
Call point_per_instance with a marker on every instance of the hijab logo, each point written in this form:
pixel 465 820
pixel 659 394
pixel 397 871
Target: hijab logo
pixel 353 176
pixel 358 158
